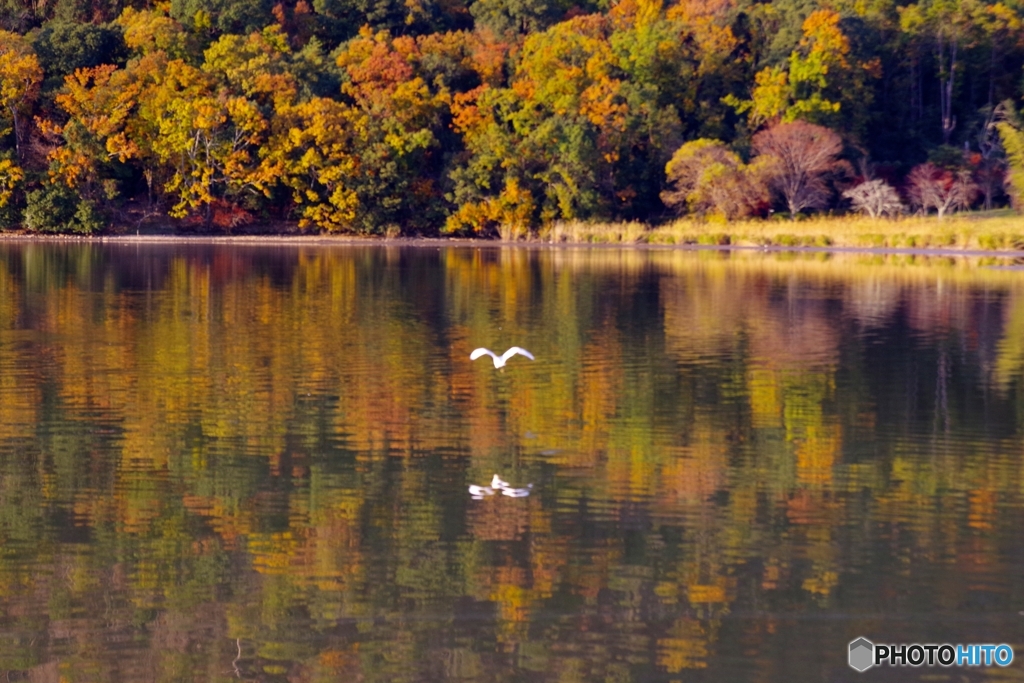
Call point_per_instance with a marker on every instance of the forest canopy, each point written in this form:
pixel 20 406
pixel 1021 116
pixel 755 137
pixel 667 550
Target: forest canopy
pixel 473 117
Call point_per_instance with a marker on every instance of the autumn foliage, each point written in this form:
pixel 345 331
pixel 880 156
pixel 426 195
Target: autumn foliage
pixel 933 188
pixel 708 179
pixel 802 159
pixel 497 116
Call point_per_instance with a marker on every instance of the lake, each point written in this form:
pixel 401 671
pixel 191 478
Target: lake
pixel 251 462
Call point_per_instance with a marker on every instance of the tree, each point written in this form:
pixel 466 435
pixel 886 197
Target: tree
pixel 799 158
pixel 693 58
pixel 20 77
pixel 223 16
pixel 572 135
pixel 104 126
pixel 213 122
pixel 1002 24
pixel 65 46
pixel 817 78
pixel 366 162
pixel 876 198
pixel 515 16
pixel 58 208
pixel 709 178
pixel 1011 134
pixel 340 20
pixel 931 187
pixel 314 152
pixel 949 26
pixel 199 131
pixel 11 176
pixel 402 117
pixel 148 30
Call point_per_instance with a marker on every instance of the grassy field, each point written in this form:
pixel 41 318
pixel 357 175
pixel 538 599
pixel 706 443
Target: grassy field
pixel 994 230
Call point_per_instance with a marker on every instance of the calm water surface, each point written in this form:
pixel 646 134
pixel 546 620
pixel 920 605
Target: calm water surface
pixel 251 463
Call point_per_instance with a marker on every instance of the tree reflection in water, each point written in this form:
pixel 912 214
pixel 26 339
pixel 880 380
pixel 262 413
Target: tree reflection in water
pixel 252 462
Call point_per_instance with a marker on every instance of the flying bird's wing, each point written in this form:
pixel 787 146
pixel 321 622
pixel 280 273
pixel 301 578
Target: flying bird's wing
pixel 481 352
pixel 514 350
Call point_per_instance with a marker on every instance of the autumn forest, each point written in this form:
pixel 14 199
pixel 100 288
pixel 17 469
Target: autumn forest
pixel 465 117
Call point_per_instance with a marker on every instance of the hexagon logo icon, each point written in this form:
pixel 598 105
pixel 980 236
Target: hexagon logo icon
pixel 862 654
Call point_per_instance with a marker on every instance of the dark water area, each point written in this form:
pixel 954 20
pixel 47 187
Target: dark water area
pixel 223 462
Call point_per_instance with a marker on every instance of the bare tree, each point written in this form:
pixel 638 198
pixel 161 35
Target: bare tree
pixel 875 198
pixel 799 159
pixel 931 187
pixel 707 178
pixel 964 191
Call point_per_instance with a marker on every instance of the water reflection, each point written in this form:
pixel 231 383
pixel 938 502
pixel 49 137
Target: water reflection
pixel 223 462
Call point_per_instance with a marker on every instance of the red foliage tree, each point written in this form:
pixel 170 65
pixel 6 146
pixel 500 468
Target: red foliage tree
pixel 930 187
pixel 801 159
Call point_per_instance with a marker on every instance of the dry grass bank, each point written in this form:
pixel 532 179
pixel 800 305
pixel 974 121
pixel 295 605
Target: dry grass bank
pixel 994 230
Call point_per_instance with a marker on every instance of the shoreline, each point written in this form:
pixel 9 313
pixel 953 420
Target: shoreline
pixel 476 243
pixel 997 234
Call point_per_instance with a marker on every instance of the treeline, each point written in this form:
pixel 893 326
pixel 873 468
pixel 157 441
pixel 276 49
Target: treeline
pixel 466 117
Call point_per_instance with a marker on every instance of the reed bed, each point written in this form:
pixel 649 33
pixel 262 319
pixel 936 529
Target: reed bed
pixel 1001 230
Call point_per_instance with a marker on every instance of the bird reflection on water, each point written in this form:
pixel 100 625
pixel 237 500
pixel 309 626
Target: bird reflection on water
pixel 499 484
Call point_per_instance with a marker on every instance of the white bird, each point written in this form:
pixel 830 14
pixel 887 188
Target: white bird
pixel 516 493
pixel 499 361
pixel 478 492
pixel 498 484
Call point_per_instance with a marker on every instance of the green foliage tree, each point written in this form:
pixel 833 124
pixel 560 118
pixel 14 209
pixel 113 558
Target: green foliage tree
pixel 57 208
pixel 1011 133
pixel 815 82
pixel 340 20
pixel 516 16
pixel 65 46
pixel 223 16
pixel 947 27
pixel 24 15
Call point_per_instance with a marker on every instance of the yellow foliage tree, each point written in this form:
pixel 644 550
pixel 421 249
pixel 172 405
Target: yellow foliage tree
pixel 20 77
pixel 11 176
pixel 200 130
pixel 798 90
pixel 151 30
pixel 313 152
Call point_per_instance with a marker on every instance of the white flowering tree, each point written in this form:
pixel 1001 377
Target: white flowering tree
pixel 876 198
